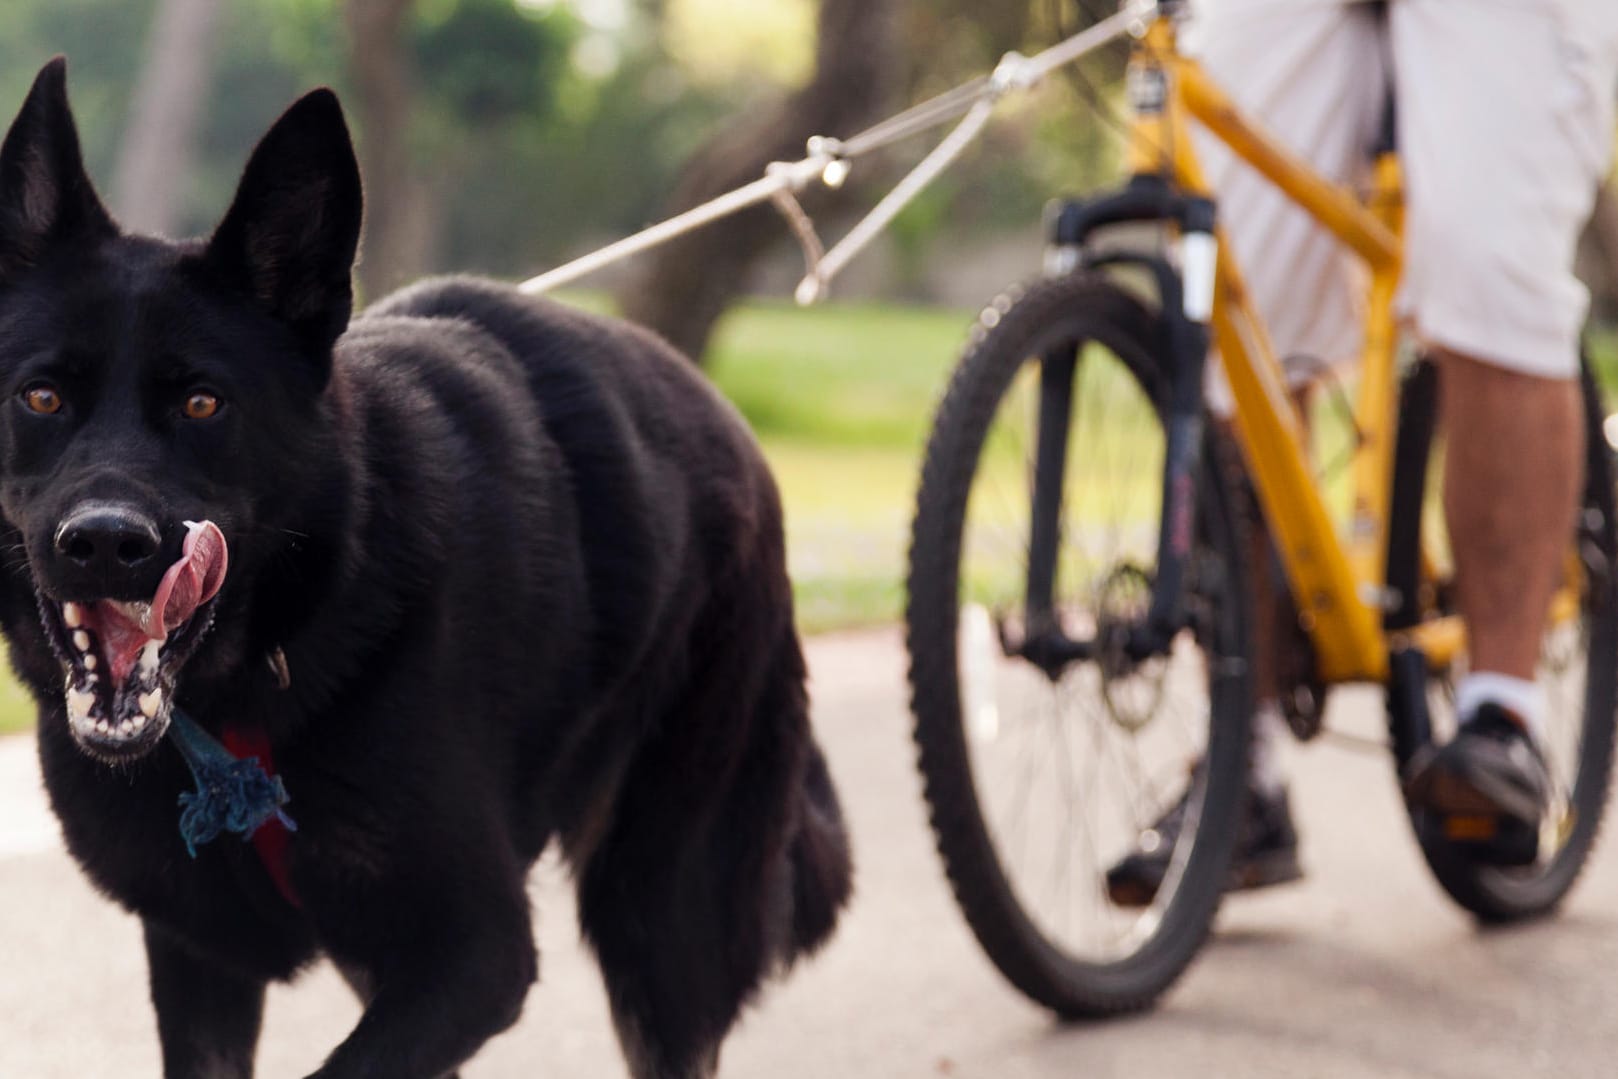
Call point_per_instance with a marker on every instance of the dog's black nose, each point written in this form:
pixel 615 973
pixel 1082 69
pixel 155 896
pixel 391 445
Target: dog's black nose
pixel 107 541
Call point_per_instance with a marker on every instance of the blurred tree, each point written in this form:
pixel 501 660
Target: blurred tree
pixel 1038 149
pixel 517 151
pixel 1598 253
pixel 157 149
pixel 533 131
pixel 683 287
pixel 95 37
pixel 381 65
pixel 455 102
pixel 491 76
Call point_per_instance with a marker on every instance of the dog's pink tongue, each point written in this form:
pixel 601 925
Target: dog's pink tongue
pixel 190 582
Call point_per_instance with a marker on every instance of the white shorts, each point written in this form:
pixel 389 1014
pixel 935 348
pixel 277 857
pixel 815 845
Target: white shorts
pixel 1505 126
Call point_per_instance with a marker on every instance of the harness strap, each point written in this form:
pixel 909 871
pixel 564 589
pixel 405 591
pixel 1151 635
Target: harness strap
pixel 271 841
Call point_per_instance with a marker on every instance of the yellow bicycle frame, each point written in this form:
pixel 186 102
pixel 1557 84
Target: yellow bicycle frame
pixel 1336 583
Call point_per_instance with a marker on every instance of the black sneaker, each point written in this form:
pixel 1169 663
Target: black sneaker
pixel 1486 789
pixel 1266 851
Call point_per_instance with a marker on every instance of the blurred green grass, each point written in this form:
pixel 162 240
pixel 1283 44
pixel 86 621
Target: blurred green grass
pixel 1603 346
pixel 841 397
pixel 16 707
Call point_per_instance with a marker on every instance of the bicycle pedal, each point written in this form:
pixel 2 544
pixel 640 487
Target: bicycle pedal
pixel 1470 828
pixel 1486 838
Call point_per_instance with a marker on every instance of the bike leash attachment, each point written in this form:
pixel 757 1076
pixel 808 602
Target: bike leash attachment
pixel 830 160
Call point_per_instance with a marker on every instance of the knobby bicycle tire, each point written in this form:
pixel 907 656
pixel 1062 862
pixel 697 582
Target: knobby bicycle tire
pixel 1022 324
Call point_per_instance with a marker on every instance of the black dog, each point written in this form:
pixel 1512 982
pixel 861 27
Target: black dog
pixel 498 573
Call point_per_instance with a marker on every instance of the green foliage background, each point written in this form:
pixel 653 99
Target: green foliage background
pixel 525 156
pixel 529 157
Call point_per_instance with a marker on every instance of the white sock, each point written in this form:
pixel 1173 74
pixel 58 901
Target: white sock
pixel 1269 731
pixel 1521 697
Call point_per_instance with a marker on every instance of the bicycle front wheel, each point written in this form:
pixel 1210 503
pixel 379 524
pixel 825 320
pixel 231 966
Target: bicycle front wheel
pixel 1042 775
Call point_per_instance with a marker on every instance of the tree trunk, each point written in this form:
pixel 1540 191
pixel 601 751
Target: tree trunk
pixel 397 230
pixel 154 159
pixel 685 286
pixel 1598 254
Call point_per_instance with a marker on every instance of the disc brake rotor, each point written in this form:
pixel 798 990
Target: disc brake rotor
pixel 1132 689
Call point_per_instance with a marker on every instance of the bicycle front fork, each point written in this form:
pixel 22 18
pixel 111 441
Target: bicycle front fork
pixel 1185 302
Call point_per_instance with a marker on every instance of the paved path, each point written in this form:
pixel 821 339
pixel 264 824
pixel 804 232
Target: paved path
pixel 1364 970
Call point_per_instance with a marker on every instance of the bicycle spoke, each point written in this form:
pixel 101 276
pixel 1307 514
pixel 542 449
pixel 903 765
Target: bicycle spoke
pixel 1091 783
pixel 1070 795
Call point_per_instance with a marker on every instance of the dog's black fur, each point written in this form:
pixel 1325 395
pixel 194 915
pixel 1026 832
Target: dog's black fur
pixel 525 568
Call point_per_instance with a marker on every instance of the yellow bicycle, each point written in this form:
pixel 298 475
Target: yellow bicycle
pixel 1078 616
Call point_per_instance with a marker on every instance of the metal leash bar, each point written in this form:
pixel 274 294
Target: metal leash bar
pixel 829 161
pixel 792 177
pixel 819 276
pixel 918 118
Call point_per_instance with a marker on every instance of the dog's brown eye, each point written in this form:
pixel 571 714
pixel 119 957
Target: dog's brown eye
pixel 42 399
pixel 201 406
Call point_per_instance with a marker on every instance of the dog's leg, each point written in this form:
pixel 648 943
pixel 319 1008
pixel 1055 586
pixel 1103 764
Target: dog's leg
pixel 647 1060
pixel 647 957
pixel 822 868
pixel 437 994
pixel 363 983
pixel 725 859
pixel 655 901
pixel 207 1018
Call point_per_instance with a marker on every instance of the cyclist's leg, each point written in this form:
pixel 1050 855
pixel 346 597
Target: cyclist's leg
pixel 1302 71
pixel 1512 480
pixel 1505 129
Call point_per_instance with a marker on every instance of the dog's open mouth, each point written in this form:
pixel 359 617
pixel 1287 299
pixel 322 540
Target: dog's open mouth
pixel 123 658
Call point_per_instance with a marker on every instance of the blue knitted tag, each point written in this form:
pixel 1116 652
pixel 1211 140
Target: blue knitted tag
pixel 233 794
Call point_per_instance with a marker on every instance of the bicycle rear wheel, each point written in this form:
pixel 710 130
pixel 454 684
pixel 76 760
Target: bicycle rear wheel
pixel 1041 777
pixel 1577 670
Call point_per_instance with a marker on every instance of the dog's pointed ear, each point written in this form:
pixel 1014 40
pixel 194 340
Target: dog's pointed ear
pixel 45 194
pixel 289 238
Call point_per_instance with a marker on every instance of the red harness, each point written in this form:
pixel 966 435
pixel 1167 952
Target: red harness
pixel 272 841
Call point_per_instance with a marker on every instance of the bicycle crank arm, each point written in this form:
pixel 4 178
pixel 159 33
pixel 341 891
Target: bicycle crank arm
pixel 1408 719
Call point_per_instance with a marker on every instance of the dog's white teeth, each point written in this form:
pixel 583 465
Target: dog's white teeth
pixel 90 662
pixel 79 702
pixel 103 727
pixel 138 723
pixel 73 615
pixel 148 656
pixel 150 703
pixel 81 640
